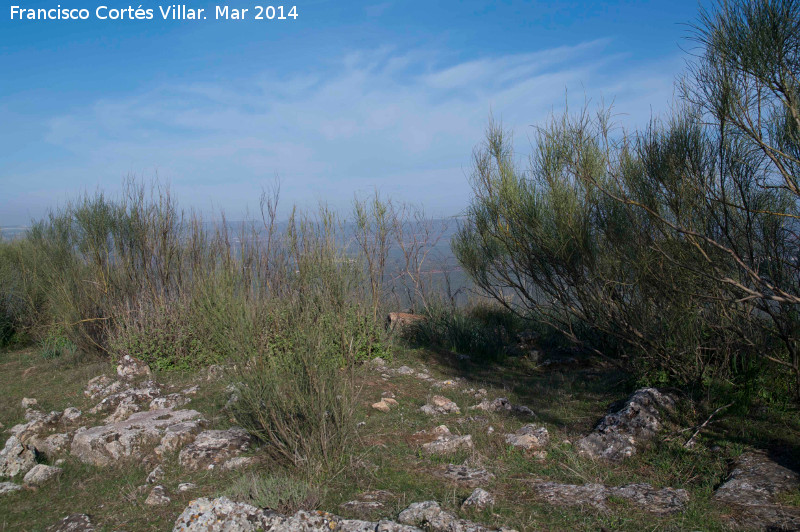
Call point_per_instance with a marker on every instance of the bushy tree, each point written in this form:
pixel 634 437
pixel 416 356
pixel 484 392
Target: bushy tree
pixel 674 248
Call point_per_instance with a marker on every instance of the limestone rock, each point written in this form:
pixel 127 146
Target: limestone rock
pixel 430 516
pixel 479 499
pixel 445 442
pixel 466 476
pixel 214 447
pixel 222 514
pixel 41 474
pixel 156 475
pixel 752 487
pixel 16 458
pixel 440 405
pixel 158 497
pixel 501 404
pixel 756 480
pixel 131 368
pixel 173 400
pixel 619 433
pixel 658 501
pixel 73 523
pixel 529 437
pixel 54 445
pixel 128 399
pixel 71 415
pixel 186 486
pixel 102 386
pixel 8 487
pixel 381 405
pixel 368 502
pixel 132 438
pixel 27 403
pixel 405 370
pixel 238 462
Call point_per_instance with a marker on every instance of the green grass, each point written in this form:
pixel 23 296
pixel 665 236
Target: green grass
pixel 383 456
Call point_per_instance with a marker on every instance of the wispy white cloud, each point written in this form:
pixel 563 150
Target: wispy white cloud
pixel 402 122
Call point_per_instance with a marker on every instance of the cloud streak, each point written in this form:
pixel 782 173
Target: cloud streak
pixel 402 122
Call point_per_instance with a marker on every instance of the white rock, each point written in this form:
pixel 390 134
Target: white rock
pixel 479 499
pixel 41 474
pixel 158 497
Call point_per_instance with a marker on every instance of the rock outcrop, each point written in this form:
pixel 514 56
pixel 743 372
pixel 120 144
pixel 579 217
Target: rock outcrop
pixel 619 433
pixel 134 437
pixel 658 501
pixel 213 448
pixel 16 458
pixel 752 488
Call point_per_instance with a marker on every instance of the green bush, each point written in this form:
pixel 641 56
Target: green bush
pixel 673 250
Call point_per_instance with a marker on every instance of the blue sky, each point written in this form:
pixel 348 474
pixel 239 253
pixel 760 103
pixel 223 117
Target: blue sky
pixel 348 98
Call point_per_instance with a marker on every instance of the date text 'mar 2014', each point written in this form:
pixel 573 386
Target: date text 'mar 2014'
pixel 259 13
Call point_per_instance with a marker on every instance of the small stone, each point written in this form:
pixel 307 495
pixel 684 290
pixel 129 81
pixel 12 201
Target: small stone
pixel 60 462
pixel 440 405
pixel 191 390
pixel 186 486
pixel 158 497
pixel 27 403
pixel 405 370
pixel 378 362
pixel 529 437
pixel 479 499
pixel 381 405
pixel 41 474
pixel 390 401
pixel 156 475
pixel 73 523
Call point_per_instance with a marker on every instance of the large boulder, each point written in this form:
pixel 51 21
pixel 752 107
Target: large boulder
pixel 136 436
pixel 619 433
pixel 16 458
pixel 214 448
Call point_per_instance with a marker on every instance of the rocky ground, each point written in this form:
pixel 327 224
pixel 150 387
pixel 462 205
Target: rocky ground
pixel 443 445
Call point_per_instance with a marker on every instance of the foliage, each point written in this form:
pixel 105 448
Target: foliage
pixel 671 250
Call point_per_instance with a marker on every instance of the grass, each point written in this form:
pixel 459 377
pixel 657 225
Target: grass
pixel 383 456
